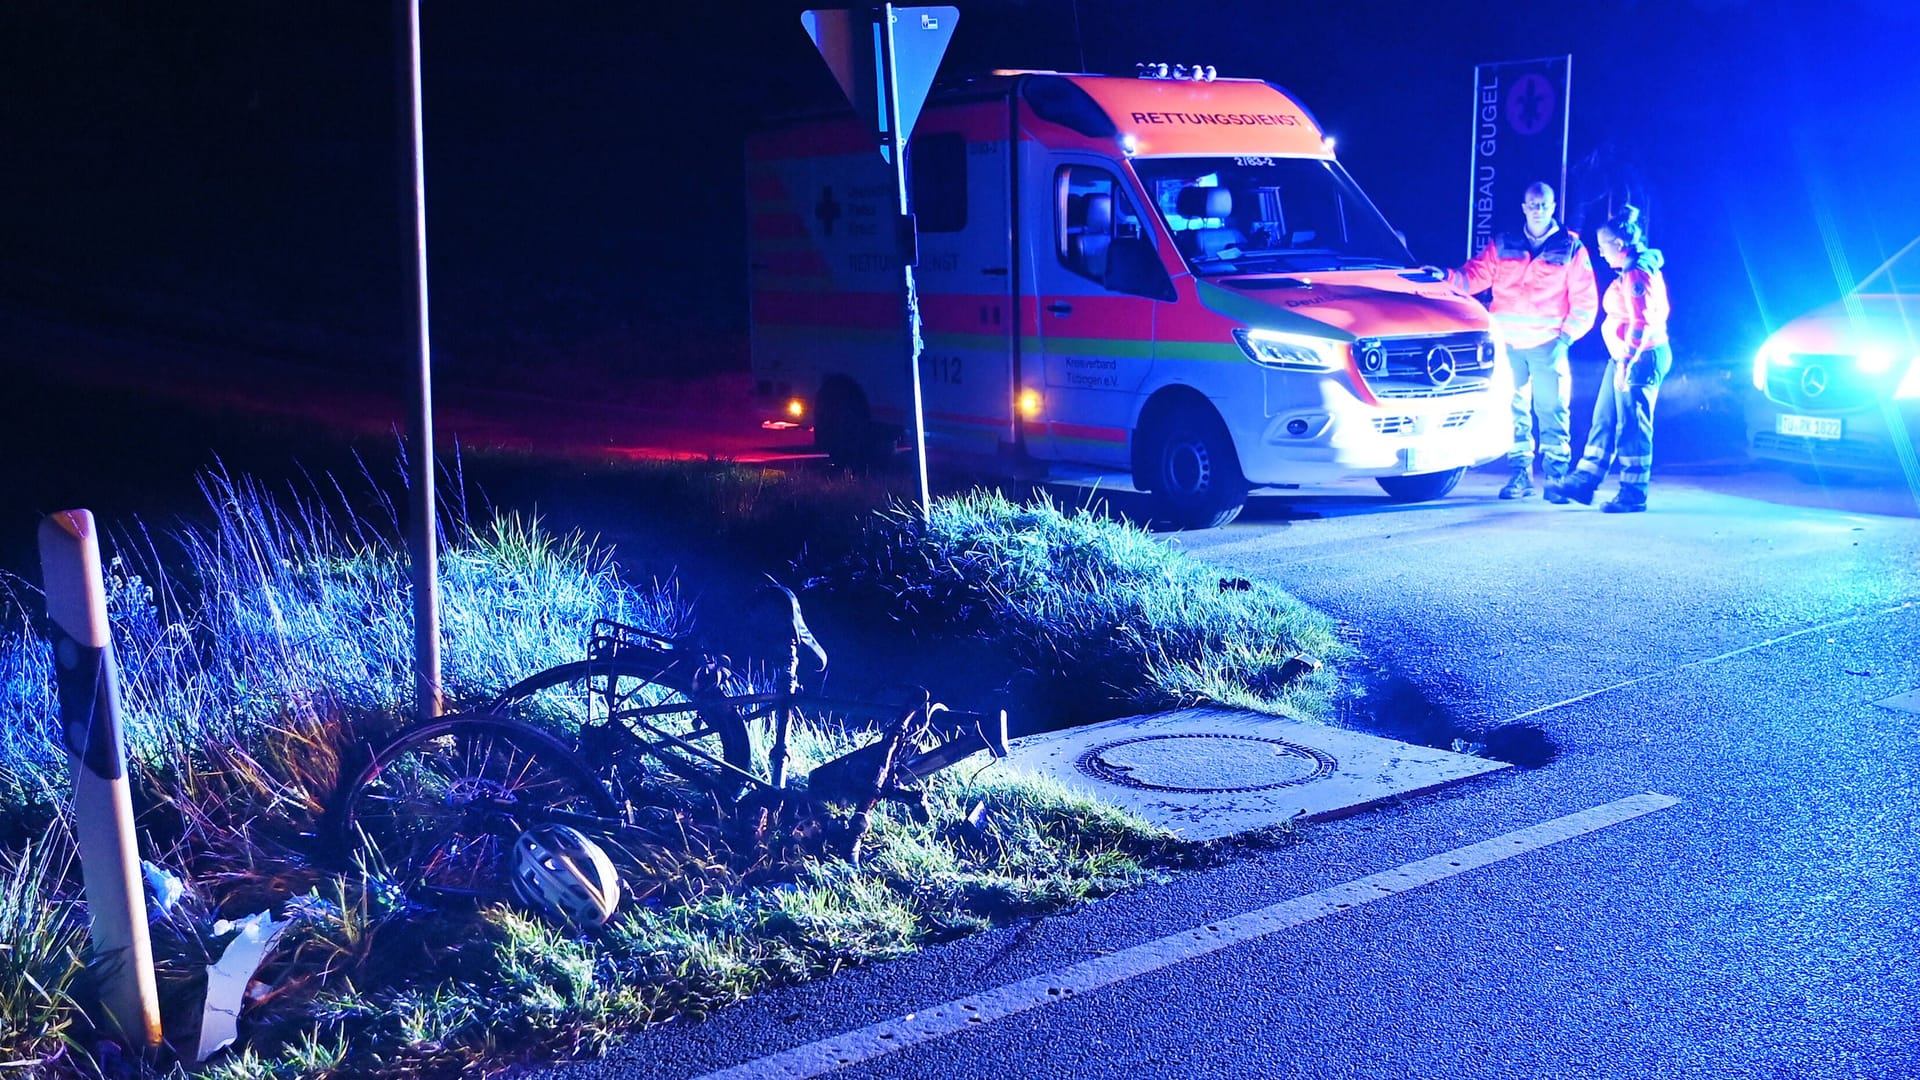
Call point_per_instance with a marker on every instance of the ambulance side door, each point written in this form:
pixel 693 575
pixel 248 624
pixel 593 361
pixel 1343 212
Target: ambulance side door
pixel 1094 335
pixel 960 177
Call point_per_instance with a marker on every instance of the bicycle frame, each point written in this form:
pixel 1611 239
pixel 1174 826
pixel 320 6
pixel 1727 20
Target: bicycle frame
pixel 518 770
pixel 860 776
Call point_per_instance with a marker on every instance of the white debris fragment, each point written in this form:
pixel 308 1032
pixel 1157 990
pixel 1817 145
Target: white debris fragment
pixel 229 976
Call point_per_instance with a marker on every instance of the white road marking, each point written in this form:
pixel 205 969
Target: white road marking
pixel 1907 702
pixel 876 1040
pixel 1904 605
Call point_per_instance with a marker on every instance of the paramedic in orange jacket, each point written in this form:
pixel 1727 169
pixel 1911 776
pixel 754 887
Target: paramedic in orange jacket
pixel 1636 333
pixel 1543 300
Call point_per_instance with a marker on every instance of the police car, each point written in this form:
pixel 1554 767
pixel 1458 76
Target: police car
pixel 1839 387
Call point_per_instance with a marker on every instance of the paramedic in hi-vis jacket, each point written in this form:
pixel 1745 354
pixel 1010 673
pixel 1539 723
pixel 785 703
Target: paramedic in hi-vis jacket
pixel 1543 300
pixel 1636 333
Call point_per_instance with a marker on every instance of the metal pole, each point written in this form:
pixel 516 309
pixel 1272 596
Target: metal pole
pixel 908 244
pixel 424 537
pixel 1566 131
pixel 1473 160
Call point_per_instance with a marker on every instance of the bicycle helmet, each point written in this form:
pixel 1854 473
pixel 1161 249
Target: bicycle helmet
pixel 563 875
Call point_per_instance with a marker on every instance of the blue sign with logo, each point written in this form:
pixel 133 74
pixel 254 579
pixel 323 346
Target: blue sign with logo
pixel 1519 136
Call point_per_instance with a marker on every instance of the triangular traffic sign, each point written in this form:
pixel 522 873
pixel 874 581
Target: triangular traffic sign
pixel 853 42
pixel 920 36
pixel 850 57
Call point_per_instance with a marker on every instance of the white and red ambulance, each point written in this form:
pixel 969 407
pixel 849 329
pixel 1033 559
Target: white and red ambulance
pixel 1157 281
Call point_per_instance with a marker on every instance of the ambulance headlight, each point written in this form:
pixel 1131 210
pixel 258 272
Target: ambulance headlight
pixel 1874 361
pixel 1768 354
pixel 1292 352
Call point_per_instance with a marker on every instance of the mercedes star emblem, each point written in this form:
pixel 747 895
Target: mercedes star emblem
pixel 1439 365
pixel 1813 381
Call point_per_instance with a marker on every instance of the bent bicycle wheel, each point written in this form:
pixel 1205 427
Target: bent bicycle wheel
pixel 650 699
pixel 441 803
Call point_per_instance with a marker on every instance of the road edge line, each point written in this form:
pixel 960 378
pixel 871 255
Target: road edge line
pixel 973 1010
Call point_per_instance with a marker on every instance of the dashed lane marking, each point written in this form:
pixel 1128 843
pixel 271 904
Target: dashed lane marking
pixel 975 1010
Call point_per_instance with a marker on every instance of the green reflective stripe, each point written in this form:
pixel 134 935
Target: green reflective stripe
pixel 1212 352
pixel 1209 351
pixel 1066 346
pixel 959 342
pixel 1266 316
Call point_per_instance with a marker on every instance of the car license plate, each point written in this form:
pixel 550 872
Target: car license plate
pixel 1813 427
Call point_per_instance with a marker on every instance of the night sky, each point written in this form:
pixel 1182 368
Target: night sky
pixel 231 168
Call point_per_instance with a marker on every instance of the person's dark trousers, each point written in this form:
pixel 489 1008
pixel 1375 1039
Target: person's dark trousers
pixel 1622 431
pixel 1542 389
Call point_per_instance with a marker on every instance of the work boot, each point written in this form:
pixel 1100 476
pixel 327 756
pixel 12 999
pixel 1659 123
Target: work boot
pixel 1556 476
pixel 1519 487
pixel 1574 486
pixel 1628 501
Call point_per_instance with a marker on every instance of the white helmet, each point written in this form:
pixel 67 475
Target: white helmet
pixel 563 875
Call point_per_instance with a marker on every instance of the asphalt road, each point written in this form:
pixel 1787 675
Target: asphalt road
pixel 1726 649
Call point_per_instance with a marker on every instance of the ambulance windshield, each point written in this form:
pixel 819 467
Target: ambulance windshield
pixel 1269 215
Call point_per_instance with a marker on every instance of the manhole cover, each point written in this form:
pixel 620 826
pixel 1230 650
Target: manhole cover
pixel 1201 762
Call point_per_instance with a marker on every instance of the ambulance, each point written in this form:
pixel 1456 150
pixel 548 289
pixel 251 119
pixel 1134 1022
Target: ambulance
pixel 1164 282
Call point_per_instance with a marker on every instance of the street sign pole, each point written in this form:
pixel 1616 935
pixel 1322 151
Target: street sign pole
pixel 887 80
pixel 423 540
pixel 909 243
pixel 121 951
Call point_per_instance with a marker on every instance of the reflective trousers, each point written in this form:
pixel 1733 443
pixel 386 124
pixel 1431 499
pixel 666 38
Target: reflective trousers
pixel 1542 385
pixel 1622 428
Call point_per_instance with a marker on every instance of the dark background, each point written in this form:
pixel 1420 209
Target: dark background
pixel 228 172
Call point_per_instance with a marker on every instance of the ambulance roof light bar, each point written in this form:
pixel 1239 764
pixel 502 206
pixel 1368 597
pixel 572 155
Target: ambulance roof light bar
pixel 1177 72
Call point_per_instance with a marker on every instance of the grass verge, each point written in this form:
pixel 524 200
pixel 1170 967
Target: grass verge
pixel 259 649
pixel 1095 617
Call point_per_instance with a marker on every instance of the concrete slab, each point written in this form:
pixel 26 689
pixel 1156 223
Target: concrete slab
pixel 1208 773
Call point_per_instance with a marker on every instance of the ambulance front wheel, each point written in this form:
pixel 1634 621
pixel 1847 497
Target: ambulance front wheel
pixel 1420 487
pixel 1193 470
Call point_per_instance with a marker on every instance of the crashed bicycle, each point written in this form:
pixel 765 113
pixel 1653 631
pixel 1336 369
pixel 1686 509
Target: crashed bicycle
pixel 527 795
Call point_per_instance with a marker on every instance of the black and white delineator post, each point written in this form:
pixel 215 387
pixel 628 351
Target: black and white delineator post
pixel 886 72
pixel 121 954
